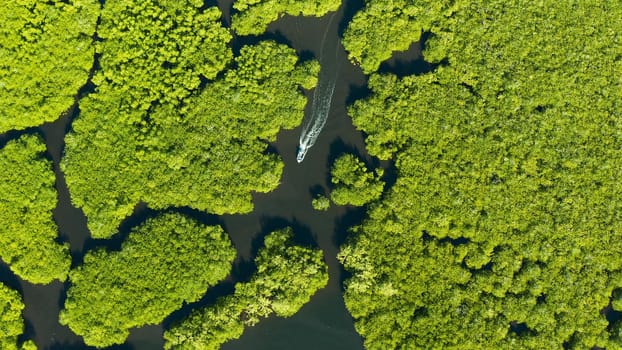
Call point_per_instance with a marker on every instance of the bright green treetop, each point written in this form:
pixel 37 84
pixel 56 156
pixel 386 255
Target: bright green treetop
pixel 165 262
pixel 321 203
pixel 171 146
pixel 46 54
pixel 286 278
pixel 11 322
pixel 506 210
pixel 385 26
pixel 254 16
pixel 156 52
pixel 353 183
pixel 28 231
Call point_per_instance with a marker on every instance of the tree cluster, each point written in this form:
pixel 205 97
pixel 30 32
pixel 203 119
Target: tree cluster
pixel 386 26
pixel 286 278
pixel 254 16
pixel 321 203
pixel 174 120
pixel 11 322
pixel 164 141
pixel 28 232
pixel 46 54
pixel 504 227
pixel 165 262
pixel 353 183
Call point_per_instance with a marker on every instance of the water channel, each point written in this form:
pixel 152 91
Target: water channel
pixel 324 323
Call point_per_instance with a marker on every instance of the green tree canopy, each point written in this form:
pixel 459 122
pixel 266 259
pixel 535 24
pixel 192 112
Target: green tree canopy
pixel 46 54
pixel 171 146
pixel 386 26
pixel 28 231
pixel 286 278
pixel 165 262
pixel 254 16
pixel 11 322
pixel 506 210
pixel 353 183
pixel 321 203
pixel 156 52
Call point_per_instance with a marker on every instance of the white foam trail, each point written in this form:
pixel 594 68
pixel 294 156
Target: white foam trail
pixel 322 97
pixel 320 106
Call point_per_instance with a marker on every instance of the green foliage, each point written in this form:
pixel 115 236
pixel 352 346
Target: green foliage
pixel 320 203
pixel 167 261
pixel 254 16
pixel 507 203
pixel 286 278
pixel 171 146
pixel 28 231
pixel 616 302
pixel 11 322
pixel 385 26
pixel 28 345
pixel 46 54
pixel 156 52
pixel 354 184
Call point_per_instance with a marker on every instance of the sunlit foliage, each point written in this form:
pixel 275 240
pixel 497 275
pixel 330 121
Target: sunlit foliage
pixel 165 262
pixel 507 208
pixel 28 231
pixel 286 278
pixel 253 16
pixel 157 139
pixel 353 183
pixel 156 52
pixel 386 26
pixel 46 54
pixel 320 203
pixel 11 322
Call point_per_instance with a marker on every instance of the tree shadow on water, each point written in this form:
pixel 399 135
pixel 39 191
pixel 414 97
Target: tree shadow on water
pixel 302 234
pixel 352 7
pixel 343 224
pixel 339 148
pixel 140 214
pixel 242 270
pixel 8 278
pixel 16 134
pixel 239 42
pixel 82 346
pixel 357 92
pixel 317 190
pixel 411 61
pixel 29 332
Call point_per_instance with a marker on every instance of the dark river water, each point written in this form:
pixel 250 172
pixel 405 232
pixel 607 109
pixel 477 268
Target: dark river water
pixel 324 323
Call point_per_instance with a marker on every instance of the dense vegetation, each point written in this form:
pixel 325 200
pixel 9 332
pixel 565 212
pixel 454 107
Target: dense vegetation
pixel 286 278
pixel 385 26
pixel 321 203
pixel 46 54
pixel 11 322
pixel 352 183
pixel 165 262
pixel 28 231
pixel 253 16
pixel 504 228
pixel 147 134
